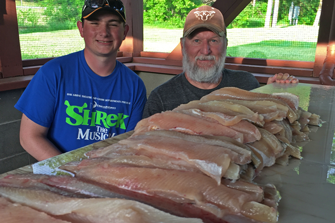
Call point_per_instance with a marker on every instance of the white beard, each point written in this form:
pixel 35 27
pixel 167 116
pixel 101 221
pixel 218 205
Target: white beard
pixel 210 75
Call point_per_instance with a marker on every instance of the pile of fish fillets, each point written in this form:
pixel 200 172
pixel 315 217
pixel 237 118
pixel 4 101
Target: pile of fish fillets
pixel 196 163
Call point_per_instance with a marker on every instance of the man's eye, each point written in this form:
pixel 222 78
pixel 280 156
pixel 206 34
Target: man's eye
pixel 214 41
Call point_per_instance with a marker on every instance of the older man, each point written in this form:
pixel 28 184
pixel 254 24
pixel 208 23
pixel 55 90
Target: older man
pixel 204 47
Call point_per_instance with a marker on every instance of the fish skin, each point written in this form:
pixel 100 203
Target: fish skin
pixel 185 123
pixel 16 213
pixel 95 210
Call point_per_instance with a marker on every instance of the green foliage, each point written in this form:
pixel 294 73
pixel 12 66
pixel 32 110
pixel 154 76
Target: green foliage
pixel 251 16
pixel 308 9
pixel 32 17
pixel 168 12
pixel 255 16
pixel 63 11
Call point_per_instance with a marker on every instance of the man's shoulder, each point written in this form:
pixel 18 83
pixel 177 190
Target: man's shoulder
pixel 68 59
pixel 174 83
pixel 237 72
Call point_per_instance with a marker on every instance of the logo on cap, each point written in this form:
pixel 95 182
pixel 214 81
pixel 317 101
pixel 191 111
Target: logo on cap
pixel 204 15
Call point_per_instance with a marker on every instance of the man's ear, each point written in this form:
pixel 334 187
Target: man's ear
pixel 126 29
pixel 80 28
pixel 181 44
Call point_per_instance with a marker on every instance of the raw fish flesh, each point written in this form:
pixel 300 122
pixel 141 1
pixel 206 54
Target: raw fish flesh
pixel 226 108
pixel 239 94
pixel 16 213
pixel 93 210
pixel 185 123
pixel 210 159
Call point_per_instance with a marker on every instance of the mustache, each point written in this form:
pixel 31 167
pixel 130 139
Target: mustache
pixel 203 57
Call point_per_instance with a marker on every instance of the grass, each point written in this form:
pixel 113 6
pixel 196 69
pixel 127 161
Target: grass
pixel 290 43
pixel 280 50
pixel 285 43
pixel 50 44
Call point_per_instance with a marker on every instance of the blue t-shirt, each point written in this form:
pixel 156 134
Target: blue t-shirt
pixel 80 107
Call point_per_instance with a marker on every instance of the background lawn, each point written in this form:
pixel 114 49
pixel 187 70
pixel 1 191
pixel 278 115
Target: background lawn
pixel 290 43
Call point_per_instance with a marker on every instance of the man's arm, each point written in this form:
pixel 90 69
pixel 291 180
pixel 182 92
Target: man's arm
pixel 33 138
pixel 283 79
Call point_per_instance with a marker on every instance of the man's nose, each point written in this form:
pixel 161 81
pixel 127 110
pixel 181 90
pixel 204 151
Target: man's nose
pixel 205 48
pixel 104 30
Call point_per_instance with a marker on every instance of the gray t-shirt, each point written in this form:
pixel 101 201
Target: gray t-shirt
pixel 179 91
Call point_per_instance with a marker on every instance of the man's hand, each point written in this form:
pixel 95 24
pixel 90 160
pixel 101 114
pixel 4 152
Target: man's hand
pixel 283 79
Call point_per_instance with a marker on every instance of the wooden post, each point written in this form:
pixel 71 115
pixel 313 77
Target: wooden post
pixel 10 53
pixel 327 72
pixel 326 24
pixel 133 44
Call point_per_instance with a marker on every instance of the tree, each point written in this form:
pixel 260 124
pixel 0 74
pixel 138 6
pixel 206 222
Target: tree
pixel 318 14
pixel 268 14
pixel 275 13
pixel 168 12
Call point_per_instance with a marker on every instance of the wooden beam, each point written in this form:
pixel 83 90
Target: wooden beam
pixel 230 9
pixel 326 23
pixel 10 53
pixel 133 44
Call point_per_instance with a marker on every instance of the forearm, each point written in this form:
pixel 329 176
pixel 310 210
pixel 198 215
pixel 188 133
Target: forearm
pixel 39 147
pixel 33 138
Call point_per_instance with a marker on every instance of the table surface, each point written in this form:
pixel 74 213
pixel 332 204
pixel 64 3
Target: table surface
pixel 307 186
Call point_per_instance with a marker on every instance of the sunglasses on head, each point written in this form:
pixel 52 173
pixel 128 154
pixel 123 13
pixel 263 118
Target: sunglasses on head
pixel 117 5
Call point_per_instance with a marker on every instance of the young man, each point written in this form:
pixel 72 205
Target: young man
pixel 86 96
pixel 204 45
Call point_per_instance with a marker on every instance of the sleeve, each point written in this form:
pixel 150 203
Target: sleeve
pixel 38 100
pixel 137 109
pixel 154 105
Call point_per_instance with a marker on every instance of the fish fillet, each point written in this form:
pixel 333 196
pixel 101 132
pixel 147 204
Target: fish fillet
pixel 147 159
pixel 268 109
pixel 239 94
pixel 179 186
pixel 185 123
pixel 16 213
pixel 226 108
pixel 211 160
pixel 223 141
pixel 90 209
